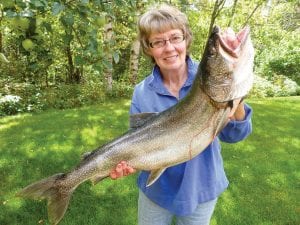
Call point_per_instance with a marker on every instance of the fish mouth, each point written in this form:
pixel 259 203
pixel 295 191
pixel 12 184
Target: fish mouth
pixel 229 64
pixel 232 43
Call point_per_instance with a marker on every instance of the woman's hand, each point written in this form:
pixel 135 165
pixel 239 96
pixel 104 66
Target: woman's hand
pixel 238 111
pixel 121 170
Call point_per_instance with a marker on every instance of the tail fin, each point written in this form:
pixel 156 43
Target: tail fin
pixel 54 191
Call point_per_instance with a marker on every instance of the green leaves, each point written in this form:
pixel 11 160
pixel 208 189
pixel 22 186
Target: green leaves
pixel 67 19
pixel 79 60
pixel 116 57
pixel 81 27
pixel 84 1
pixel 39 3
pixel 20 23
pixel 67 38
pixel 47 26
pixel 57 8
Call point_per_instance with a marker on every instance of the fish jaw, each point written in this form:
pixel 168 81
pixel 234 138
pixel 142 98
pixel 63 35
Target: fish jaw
pixel 227 65
pixel 243 75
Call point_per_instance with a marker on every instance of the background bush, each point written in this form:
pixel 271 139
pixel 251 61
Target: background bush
pixel 33 98
pixel 68 42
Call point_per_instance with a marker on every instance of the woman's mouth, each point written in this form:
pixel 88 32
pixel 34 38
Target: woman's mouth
pixel 171 58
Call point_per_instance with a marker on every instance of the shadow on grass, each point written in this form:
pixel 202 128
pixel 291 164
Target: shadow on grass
pixel 263 170
pixel 34 147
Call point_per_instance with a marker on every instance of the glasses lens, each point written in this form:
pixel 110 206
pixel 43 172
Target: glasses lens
pixel 157 44
pixel 161 43
pixel 177 39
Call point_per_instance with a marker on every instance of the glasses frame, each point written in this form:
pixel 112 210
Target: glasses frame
pixel 164 41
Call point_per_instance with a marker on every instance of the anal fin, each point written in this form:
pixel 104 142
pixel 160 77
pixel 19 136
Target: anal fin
pixel 154 175
pixel 97 179
pixel 222 123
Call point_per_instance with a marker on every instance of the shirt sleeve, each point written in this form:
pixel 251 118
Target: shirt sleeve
pixel 235 130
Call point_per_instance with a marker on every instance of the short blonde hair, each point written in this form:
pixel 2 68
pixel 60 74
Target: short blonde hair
pixel 160 19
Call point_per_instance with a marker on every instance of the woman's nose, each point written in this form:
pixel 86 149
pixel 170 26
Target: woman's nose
pixel 169 45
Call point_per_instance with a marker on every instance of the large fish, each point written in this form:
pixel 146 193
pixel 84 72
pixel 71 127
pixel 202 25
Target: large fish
pixel 160 140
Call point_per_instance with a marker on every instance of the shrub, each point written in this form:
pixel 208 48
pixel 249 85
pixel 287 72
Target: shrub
pixel 263 88
pixel 10 105
pixel 73 95
pixel 275 87
pixel 24 97
pixel 121 89
pixel 287 86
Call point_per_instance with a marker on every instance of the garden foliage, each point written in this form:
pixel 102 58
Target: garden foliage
pixel 57 54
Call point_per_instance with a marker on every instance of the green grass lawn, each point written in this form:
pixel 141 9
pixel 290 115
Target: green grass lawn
pixel 263 170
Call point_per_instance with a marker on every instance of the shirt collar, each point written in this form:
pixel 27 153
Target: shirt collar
pixel 156 82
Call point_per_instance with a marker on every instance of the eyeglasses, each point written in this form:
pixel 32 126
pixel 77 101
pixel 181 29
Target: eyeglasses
pixel 161 43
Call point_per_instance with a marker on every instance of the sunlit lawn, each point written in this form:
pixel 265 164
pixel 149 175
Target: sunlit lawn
pixel 263 170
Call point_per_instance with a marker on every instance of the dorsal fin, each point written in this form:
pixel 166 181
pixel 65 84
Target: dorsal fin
pixel 85 155
pixel 139 119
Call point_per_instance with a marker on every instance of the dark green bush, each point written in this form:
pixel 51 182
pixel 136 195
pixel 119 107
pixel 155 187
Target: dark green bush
pixel 10 105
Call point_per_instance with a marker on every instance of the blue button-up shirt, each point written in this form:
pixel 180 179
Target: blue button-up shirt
pixel 182 187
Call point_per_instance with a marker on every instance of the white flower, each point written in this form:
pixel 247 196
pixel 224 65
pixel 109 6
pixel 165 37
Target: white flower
pixel 10 98
pixel 29 107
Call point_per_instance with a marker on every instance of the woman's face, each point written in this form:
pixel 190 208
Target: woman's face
pixel 171 56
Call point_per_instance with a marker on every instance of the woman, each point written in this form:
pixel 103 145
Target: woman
pixel 187 191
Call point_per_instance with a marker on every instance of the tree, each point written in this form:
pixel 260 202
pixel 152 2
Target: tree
pixel 135 48
pixel 1 39
pixel 134 61
pixel 108 40
pixel 63 42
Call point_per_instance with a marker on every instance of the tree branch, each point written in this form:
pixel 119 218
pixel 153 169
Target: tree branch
pixel 217 9
pixel 254 10
pixel 232 12
pixel 77 37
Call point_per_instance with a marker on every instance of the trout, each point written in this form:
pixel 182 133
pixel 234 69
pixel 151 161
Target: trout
pixel 157 141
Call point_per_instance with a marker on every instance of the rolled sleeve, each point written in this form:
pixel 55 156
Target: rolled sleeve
pixel 237 130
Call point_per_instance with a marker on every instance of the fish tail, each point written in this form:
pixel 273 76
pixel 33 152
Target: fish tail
pixel 55 191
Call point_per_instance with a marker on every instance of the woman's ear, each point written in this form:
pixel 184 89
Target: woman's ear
pixel 148 52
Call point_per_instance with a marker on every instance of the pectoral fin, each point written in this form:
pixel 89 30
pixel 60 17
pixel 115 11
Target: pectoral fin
pixel 97 179
pixel 139 119
pixel 222 122
pixel 154 175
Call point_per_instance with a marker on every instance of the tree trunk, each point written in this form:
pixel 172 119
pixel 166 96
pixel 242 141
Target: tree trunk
pixel 1 37
pixel 74 74
pixel 135 49
pixel 46 79
pixel 267 9
pixel 108 35
pixel 134 62
pixel 70 64
pixel 1 46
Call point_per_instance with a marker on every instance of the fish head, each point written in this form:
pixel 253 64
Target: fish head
pixel 226 67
